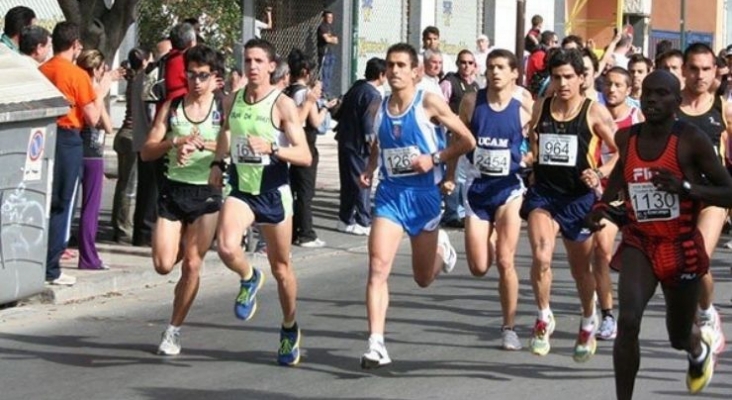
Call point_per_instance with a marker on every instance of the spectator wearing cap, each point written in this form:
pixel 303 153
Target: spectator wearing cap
pixel 35 43
pixel 182 38
pixel 16 19
pixel 482 48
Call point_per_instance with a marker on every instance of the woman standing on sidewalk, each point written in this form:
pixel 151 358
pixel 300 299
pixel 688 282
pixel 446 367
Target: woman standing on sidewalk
pixel 92 61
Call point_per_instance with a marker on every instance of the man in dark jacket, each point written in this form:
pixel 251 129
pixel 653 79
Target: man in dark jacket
pixel 355 124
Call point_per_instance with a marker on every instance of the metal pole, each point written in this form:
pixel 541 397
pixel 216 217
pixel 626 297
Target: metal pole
pixel 354 43
pixel 682 22
pixel 520 28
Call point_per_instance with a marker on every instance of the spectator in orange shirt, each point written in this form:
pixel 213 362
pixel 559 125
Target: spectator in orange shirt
pixel 86 108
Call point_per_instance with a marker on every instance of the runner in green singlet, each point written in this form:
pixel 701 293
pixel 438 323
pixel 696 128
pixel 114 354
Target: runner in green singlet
pixel 263 134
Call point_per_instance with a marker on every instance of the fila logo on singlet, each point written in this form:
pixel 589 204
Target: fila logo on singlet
pixel 644 173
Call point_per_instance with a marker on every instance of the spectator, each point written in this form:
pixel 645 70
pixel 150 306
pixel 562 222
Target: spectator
pixel 281 75
pixel 537 61
pixel 182 38
pixel 431 41
pixel 149 173
pixel 236 81
pixel 162 48
pixel 454 86
pixel 35 42
pixel 430 73
pixel 259 26
pixel 88 103
pixel 355 125
pixel 532 40
pixel 483 47
pixel 622 48
pixel 124 189
pixel 638 66
pixel 663 46
pixel 326 56
pixel 196 24
pixel 16 19
pixel 672 61
pixel 572 42
pixel 302 179
pixel 92 135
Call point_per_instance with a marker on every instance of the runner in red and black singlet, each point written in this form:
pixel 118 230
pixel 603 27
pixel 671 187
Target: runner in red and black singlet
pixel 615 92
pixel 701 107
pixel 667 169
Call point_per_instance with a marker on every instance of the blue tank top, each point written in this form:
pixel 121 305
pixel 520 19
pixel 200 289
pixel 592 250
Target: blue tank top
pixel 498 136
pixel 404 137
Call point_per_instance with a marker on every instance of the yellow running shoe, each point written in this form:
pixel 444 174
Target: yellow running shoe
pixel 539 342
pixel 700 374
pixel 586 344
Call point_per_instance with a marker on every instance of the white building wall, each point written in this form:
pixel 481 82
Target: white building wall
pixel 505 20
pixel 381 23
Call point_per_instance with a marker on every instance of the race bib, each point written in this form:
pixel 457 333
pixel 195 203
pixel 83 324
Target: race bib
pixel 242 154
pixel 651 204
pixel 492 162
pixel 559 150
pixel 399 161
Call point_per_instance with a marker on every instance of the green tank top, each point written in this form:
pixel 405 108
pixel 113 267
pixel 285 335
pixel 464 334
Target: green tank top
pixel 255 173
pixel 197 168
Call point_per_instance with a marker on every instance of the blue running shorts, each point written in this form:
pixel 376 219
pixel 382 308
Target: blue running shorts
pixel 568 211
pixel 415 209
pixel 485 196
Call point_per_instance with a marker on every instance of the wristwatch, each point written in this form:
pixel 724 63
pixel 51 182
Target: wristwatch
pixel 436 159
pixel 686 186
pixel 221 164
pixel 275 148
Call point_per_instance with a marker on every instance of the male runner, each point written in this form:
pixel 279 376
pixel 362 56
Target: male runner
pixel 568 129
pixel 615 92
pixel 185 132
pixel 499 122
pixel 262 135
pixel 409 146
pixel 667 169
pixel 710 113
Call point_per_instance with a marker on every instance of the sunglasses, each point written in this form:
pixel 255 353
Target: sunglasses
pixel 201 76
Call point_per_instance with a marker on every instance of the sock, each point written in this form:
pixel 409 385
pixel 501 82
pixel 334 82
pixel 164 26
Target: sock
pixel 545 314
pixel 289 326
pixel 702 355
pixel 608 313
pixel 248 275
pixel 173 329
pixel 588 323
pixel 378 338
pixel 709 312
pixel 506 328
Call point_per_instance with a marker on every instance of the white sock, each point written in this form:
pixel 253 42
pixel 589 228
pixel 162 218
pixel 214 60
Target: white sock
pixel 588 323
pixel 545 314
pixel 709 312
pixel 702 356
pixel 376 337
pixel 173 329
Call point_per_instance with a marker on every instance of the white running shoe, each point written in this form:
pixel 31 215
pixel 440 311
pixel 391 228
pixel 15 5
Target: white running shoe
pixel 712 325
pixel 608 328
pixel 63 280
pixel 376 356
pixel 313 244
pixel 353 229
pixel 170 344
pixel 509 339
pixel 449 256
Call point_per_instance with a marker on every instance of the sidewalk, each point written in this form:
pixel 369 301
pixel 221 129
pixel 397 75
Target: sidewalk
pixel 131 267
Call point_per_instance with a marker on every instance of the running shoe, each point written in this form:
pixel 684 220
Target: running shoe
pixel 586 344
pixel 712 323
pixel 449 256
pixel 169 344
pixel 509 339
pixel 700 374
pixel 608 328
pixel 289 353
pixel 376 356
pixel 539 342
pixel 246 302
pixel 312 244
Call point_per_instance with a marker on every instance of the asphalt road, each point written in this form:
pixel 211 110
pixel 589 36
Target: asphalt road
pixel 443 340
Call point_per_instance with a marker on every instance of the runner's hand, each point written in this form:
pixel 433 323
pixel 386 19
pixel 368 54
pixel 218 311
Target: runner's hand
pixel 590 178
pixel 664 180
pixel 423 163
pixel 216 177
pixel 447 186
pixel 366 179
pixel 259 145
pixel 184 152
pixel 592 220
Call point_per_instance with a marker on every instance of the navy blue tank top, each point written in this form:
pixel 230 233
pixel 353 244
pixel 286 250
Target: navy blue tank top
pixel 498 136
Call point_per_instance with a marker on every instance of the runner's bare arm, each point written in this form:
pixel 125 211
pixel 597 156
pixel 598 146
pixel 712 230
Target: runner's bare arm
pixel 297 153
pixel 604 126
pixel 465 112
pixel 616 180
pixel 463 140
pixel 527 158
pixel 533 137
pixel 156 145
